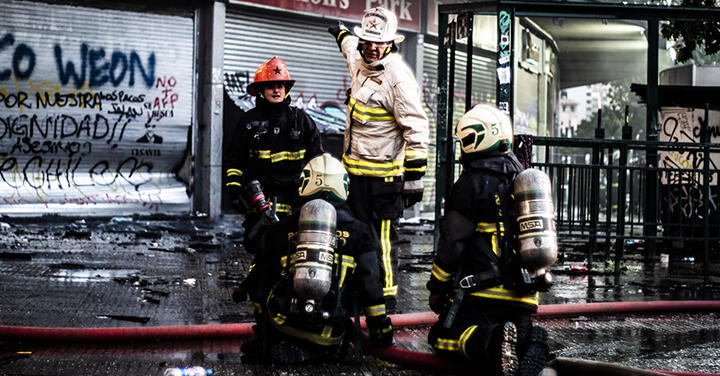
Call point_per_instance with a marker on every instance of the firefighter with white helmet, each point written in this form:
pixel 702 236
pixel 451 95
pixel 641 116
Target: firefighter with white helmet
pixel 268 148
pixel 476 284
pixel 311 267
pixel 386 135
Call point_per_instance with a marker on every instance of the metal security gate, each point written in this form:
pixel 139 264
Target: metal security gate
pixel 96 109
pixel 313 60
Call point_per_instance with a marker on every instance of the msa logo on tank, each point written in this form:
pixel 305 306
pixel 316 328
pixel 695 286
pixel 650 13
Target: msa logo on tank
pixel 531 225
pixel 321 256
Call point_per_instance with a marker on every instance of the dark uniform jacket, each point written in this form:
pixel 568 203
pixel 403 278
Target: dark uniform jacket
pixel 471 211
pixel 357 270
pixel 271 143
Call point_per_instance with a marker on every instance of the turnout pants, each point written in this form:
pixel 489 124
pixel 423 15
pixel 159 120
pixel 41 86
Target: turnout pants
pixel 377 202
pixel 475 334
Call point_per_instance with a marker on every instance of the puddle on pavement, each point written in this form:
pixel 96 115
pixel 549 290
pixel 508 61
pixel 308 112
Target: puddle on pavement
pixel 679 280
pixel 668 342
pixel 92 275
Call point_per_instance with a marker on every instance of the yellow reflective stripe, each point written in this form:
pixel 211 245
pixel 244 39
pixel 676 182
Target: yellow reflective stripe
pixel 495 246
pixel 380 111
pixel 234 172
pixel 383 330
pixel 323 339
pixel 233 183
pixel 279 156
pixel 363 113
pixel 440 274
pixel 327 330
pixel 257 307
pixel 503 294
pixel 387 291
pixel 283 208
pixel 372 168
pixel 386 246
pixel 288 155
pixel 283 261
pixel 365 117
pixel 486 227
pixel 418 169
pixel 347 262
pixel 464 338
pixel 280 208
pixel 375 310
pixel 447 344
pixel 415 154
pixel 491 228
pixel 279 319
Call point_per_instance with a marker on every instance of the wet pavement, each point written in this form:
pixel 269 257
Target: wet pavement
pixel 146 272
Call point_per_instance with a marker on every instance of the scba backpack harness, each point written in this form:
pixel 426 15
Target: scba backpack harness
pixel 310 289
pixel 526 237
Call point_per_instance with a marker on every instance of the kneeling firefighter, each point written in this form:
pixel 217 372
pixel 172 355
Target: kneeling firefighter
pixel 493 253
pixel 311 267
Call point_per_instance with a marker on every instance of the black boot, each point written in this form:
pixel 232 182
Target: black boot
pixel 253 347
pixel 536 356
pixel 509 362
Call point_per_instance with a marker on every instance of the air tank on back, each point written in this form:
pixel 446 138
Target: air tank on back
pixel 315 252
pixel 535 214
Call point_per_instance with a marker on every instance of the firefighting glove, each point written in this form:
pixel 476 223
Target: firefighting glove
pixel 340 32
pixel 239 295
pixel 381 331
pixel 412 192
pixel 439 302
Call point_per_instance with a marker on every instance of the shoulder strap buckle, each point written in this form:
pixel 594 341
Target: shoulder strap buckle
pixel 487 278
pixel 468 282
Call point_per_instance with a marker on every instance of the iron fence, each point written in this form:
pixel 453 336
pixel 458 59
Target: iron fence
pixel 608 196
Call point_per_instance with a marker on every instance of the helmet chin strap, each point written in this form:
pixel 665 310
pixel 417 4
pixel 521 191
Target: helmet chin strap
pixel 391 48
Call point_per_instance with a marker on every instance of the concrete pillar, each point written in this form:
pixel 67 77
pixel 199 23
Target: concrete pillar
pixel 211 40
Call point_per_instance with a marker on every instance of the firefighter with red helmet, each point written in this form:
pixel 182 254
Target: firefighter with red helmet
pixel 386 135
pixel 269 146
pixel 480 284
pixel 311 268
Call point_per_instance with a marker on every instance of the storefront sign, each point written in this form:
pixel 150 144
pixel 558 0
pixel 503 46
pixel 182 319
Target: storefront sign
pixel 407 11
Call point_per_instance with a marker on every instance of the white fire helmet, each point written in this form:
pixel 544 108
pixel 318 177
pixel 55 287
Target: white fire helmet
pixel 483 128
pixel 379 25
pixel 324 174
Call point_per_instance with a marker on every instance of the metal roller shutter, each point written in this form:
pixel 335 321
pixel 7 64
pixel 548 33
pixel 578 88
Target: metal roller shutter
pixel 313 60
pixel 88 86
pixel 484 82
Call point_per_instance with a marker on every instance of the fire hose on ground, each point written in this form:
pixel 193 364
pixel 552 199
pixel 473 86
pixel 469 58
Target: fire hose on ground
pixel 398 356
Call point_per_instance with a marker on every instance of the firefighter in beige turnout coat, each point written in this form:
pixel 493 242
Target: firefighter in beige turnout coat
pixel 386 136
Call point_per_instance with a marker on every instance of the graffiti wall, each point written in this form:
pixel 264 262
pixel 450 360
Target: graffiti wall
pixel 682 188
pixel 95 110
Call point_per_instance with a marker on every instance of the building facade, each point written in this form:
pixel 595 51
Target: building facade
pixel 120 107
